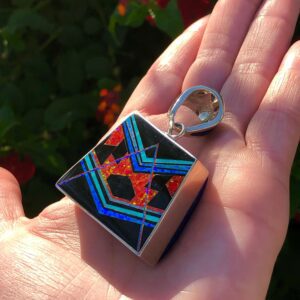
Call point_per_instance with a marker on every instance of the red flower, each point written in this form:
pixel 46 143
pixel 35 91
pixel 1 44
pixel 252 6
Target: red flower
pixel 22 168
pixel 151 20
pixel 192 10
pixel 162 3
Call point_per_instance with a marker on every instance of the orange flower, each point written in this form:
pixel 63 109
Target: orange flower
pixel 121 8
pixel 108 108
pixel 116 108
pixel 102 106
pixel 118 88
pixel 109 118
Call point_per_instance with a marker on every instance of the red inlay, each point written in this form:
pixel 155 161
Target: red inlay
pixel 140 181
pixel 116 137
pixel 173 184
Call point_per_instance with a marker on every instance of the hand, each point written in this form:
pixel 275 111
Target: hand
pixel 230 245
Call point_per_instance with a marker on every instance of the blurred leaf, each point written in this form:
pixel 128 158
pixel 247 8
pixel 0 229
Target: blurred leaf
pixel 11 96
pixel 26 18
pixel 70 72
pixel 71 35
pixel 4 15
pixel 7 120
pixel 13 40
pixel 61 113
pixel 113 24
pixel 98 67
pixel 37 194
pixel 54 163
pixel 76 9
pixel 92 26
pixel 36 90
pixel 22 3
pixel 136 14
pixel 33 120
pixel 168 19
pixel 46 156
pixel 38 66
pixel 93 50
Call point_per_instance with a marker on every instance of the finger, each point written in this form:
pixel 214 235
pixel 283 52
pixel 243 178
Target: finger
pixel 258 60
pixel 162 84
pixel 221 42
pixel 275 128
pixel 10 198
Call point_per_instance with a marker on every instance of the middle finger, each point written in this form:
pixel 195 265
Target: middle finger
pixel 258 60
pixel 223 37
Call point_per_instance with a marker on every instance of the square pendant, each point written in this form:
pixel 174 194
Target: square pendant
pixel 138 184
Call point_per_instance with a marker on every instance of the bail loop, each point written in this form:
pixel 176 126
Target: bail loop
pixel 179 128
pixel 205 102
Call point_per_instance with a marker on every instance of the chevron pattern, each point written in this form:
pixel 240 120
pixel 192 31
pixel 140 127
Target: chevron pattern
pixel 127 181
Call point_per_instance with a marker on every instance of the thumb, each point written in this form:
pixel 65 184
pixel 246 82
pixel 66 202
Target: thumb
pixel 10 199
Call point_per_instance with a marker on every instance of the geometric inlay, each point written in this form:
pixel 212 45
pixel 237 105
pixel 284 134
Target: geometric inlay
pixel 129 179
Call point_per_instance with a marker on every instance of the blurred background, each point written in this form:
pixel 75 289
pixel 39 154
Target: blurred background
pixel 66 70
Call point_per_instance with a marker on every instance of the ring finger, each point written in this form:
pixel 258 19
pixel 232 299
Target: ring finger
pixel 258 60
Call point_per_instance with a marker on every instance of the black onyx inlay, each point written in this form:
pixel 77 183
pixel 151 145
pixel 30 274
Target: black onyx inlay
pixel 121 186
pixel 150 158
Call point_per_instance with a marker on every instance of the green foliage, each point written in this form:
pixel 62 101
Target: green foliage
pixel 26 18
pixel 168 20
pixel 7 120
pixel 55 57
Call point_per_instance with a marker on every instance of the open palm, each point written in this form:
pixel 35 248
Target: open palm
pixel 229 247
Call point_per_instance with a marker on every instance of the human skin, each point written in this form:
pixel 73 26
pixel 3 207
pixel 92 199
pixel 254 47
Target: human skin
pixel 229 247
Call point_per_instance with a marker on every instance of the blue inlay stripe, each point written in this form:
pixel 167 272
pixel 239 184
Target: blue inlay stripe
pixel 104 211
pixel 116 200
pixel 160 168
pixel 119 209
pixel 92 190
pixel 157 170
pixel 150 159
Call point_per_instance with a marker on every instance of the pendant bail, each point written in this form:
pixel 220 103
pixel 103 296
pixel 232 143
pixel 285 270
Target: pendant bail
pixel 208 105
pixel 177 127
